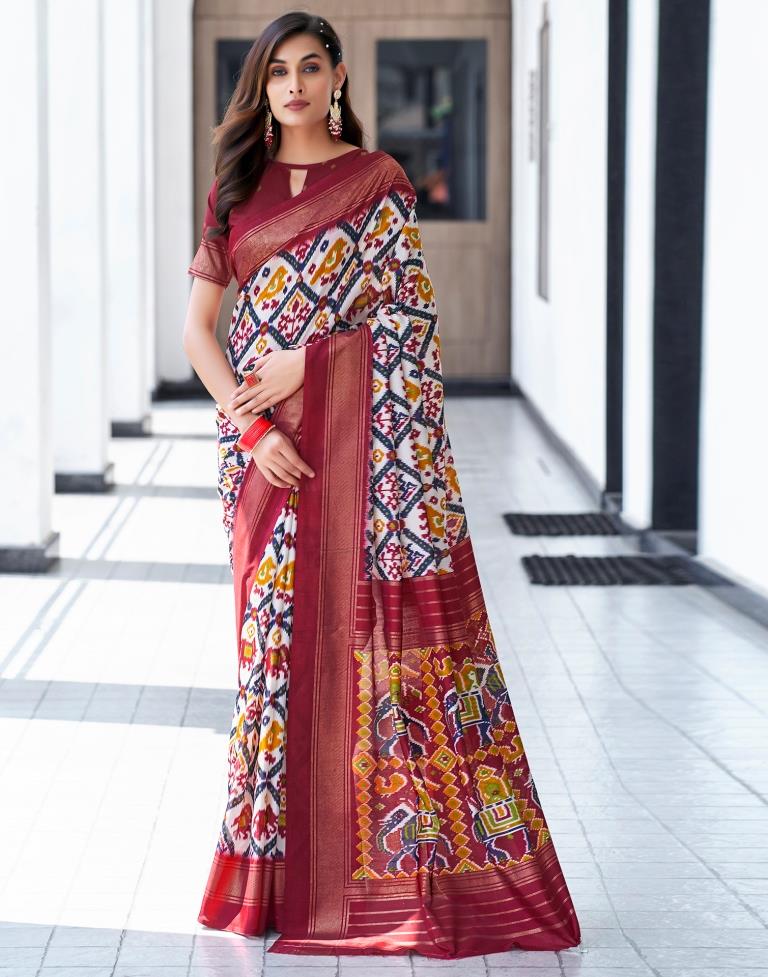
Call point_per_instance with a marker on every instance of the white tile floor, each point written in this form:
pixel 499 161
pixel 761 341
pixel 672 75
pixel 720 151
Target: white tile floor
pixel 644 713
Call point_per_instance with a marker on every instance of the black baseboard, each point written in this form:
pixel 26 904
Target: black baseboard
pixel 474 387
pixel 191 388
pixel 140 428
pixel 37 558
pixel 85 482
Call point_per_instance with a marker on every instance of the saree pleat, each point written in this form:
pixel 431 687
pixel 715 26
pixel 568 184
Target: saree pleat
pixel 391 808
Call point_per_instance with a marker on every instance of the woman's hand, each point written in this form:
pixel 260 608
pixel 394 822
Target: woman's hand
pixel 277 459
pixel 280 373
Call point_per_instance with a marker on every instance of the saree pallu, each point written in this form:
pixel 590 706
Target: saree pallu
pixel 380 798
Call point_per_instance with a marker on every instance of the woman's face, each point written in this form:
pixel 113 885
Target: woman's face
pixel 301 71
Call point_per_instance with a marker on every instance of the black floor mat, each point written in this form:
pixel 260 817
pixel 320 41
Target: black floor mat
pixel 564 524
pixel 573 571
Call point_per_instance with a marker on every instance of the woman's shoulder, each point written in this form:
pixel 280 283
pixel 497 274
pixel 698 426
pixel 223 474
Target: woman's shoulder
pixel 391 170
pixel 385 161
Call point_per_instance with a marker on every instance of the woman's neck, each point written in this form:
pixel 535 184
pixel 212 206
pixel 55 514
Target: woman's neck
pixel 299 146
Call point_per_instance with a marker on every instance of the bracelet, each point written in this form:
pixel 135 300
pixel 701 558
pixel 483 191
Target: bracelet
pixel 251 437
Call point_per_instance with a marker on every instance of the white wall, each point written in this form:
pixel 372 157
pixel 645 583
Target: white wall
pixel 734 462
pixel 638 262
pixel 558 346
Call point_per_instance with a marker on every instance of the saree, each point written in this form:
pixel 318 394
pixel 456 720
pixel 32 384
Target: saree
pixel 380 799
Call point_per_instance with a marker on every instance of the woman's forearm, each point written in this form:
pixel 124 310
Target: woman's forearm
pixel 210 364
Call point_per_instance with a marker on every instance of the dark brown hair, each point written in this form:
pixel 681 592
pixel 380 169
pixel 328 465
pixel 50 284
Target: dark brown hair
pixel 238 141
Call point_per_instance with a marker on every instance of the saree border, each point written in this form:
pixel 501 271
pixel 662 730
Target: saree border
pixel 329 555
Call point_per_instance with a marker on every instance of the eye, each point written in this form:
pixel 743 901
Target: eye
pixel 313 66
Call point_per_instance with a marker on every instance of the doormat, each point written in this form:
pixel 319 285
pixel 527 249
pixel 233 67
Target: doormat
pixel 564 523
pixel 604 571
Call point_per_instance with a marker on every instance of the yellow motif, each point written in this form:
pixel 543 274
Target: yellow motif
pixel 385 786
pixel 275 285
pixel 425 287
pixel 272 738
pixel 444 666
pixel 412 390
pixel 284 579
pixel 331 260
pixel 424 457
pixel 450 477
pixel 436 521
pixel 384 222
pixel 265 571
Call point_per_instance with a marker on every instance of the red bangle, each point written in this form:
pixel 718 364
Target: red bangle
pixel 251 437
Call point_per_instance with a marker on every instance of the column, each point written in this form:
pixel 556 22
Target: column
pixel 27 542
pixel 78 307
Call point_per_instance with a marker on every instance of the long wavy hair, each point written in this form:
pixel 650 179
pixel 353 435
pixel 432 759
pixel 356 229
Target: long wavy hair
pixel 240 150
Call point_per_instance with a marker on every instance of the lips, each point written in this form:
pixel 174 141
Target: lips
pixel 297 104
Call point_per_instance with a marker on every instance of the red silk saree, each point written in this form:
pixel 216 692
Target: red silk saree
pixel 379 795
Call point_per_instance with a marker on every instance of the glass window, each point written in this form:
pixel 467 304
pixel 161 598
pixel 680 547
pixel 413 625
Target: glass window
pixel 431 118
pixel 230 55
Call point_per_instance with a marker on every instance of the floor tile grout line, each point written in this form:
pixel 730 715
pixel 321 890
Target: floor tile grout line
pixel 638 798
pixel 582 826
pixel 637 698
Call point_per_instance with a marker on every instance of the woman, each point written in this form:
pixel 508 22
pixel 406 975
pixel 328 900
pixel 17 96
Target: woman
pixel 394 810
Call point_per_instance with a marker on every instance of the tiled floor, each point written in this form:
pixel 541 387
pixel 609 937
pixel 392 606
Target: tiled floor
pixel 644 712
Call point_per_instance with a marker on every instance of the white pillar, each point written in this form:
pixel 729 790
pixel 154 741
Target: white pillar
pixel 639 263
pixel 26 456
pixel 125 151
pixel 77 245
pixel 174 227
pixel 733 474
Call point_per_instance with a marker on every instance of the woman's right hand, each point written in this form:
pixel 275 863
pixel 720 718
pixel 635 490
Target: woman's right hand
pixel 277 459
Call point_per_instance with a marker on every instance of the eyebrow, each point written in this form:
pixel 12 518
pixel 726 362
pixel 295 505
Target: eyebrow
pixel 312 54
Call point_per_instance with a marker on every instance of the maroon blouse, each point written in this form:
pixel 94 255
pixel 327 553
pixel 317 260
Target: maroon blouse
pixel 214 259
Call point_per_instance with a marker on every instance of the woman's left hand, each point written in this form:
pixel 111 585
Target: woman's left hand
pixel 280 372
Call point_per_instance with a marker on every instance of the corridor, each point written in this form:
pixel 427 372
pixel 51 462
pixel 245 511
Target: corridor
pixel 643 710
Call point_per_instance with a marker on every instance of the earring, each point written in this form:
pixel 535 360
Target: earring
pixel 268 134
pixel 334 122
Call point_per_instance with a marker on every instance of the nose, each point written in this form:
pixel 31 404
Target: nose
pixel 295 88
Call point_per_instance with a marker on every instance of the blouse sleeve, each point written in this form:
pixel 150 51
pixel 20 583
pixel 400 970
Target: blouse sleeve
pixel 212 260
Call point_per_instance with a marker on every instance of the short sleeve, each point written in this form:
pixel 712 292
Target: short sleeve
pixel 212 260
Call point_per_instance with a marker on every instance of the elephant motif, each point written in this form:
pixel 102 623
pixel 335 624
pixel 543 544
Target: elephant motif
pixel 497 814
pixel 403 724
pixel 416 833
pixel 475 686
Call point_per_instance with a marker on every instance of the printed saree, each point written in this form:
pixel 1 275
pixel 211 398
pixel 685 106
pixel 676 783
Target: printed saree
pixel 379 795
